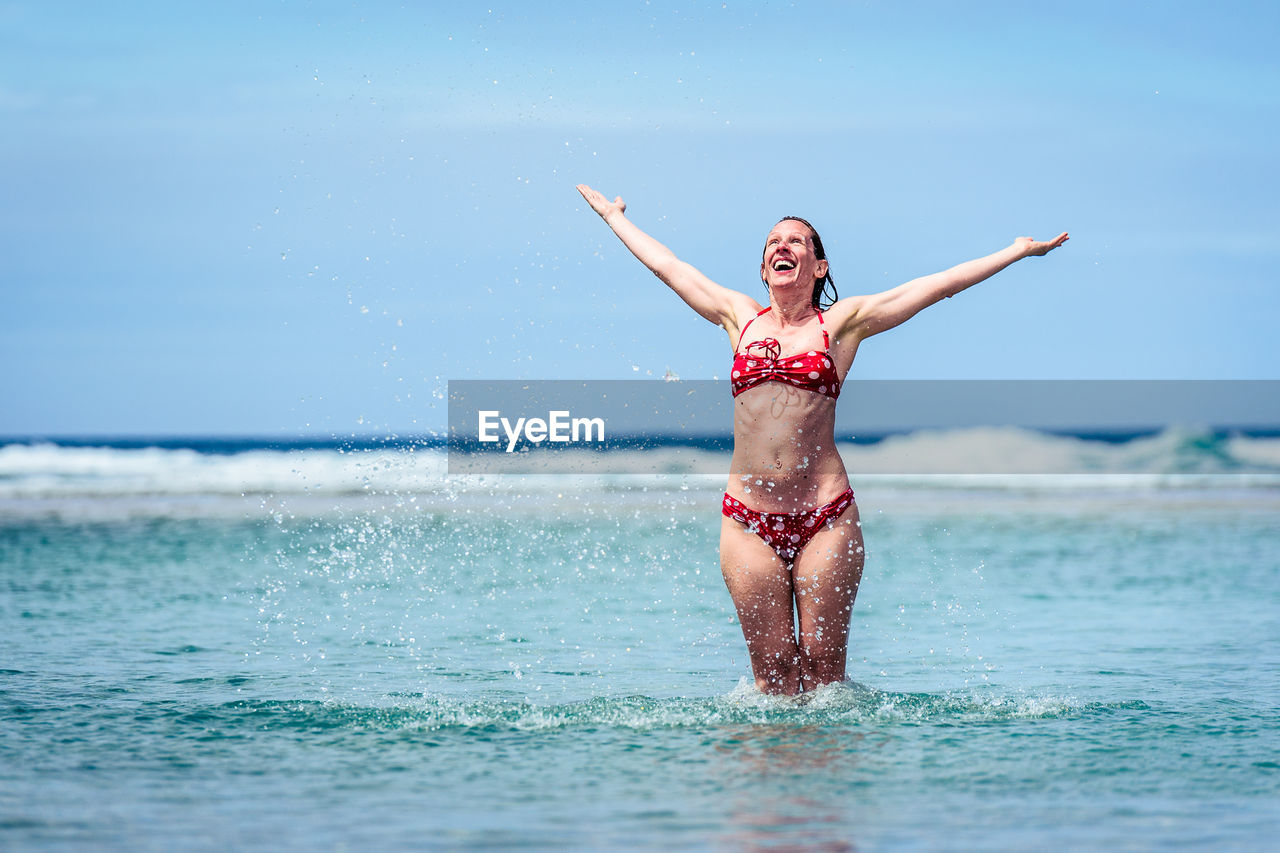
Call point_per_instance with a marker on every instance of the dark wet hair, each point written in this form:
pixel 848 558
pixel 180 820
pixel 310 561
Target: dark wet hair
pixel 822 285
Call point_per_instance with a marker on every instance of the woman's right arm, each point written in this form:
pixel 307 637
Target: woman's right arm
pixel 718 304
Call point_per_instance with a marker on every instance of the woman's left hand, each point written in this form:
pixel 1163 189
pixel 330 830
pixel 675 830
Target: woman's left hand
pixel 1027 246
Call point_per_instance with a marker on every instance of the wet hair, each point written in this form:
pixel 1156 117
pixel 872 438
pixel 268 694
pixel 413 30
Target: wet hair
pixel 826 283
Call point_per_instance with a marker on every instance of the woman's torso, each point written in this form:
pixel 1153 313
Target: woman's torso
pixel 784 456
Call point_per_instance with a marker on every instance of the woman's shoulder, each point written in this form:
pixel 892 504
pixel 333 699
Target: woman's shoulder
pixel 742 310
pixel 745 308
pixel 845 310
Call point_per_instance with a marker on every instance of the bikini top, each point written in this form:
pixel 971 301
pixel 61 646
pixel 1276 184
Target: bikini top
pixel 760 363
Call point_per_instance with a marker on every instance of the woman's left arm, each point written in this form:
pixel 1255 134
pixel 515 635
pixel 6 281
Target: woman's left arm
pixel 870 315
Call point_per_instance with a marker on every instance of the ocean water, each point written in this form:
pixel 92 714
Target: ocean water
pixel 339 649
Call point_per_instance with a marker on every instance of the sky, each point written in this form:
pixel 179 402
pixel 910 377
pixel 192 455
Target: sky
pixel 292 219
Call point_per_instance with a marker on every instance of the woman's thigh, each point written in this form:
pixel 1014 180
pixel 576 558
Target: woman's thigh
pixel 826 577
pixel 760 585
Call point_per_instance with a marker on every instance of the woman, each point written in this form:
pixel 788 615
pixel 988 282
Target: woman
pixel 790 539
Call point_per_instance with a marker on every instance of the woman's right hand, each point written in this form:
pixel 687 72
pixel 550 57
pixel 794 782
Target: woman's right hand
pixel 602 205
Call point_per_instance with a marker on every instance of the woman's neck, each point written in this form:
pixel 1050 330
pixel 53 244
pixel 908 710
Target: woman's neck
pixel 792 313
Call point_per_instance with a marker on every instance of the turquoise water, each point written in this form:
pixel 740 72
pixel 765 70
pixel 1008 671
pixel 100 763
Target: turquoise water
pixel 516 664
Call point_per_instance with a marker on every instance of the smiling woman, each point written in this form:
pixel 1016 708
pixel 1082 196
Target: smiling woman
pixel 782 262
pixel 791 547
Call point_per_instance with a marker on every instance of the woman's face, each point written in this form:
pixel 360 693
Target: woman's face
pixel 789 258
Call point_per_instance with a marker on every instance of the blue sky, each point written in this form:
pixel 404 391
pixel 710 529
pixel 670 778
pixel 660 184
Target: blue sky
pixel 289 218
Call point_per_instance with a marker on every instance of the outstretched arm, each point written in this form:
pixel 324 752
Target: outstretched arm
pixel 714 302
pixel 880 312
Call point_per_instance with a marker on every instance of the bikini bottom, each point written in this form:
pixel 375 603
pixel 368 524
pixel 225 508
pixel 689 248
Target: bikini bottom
pixel 786 532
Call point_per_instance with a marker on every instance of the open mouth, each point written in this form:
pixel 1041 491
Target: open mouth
pixel 781 265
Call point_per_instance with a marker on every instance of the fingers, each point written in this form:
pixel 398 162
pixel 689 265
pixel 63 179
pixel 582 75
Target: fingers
pixel 593 198
pixel 599 203
pixel 1055 243
pixel 1044 247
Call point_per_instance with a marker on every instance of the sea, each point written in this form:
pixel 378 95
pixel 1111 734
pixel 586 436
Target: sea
pixel 213 644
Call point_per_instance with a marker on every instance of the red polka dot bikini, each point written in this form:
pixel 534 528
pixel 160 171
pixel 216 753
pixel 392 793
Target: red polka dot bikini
pixel 760 362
